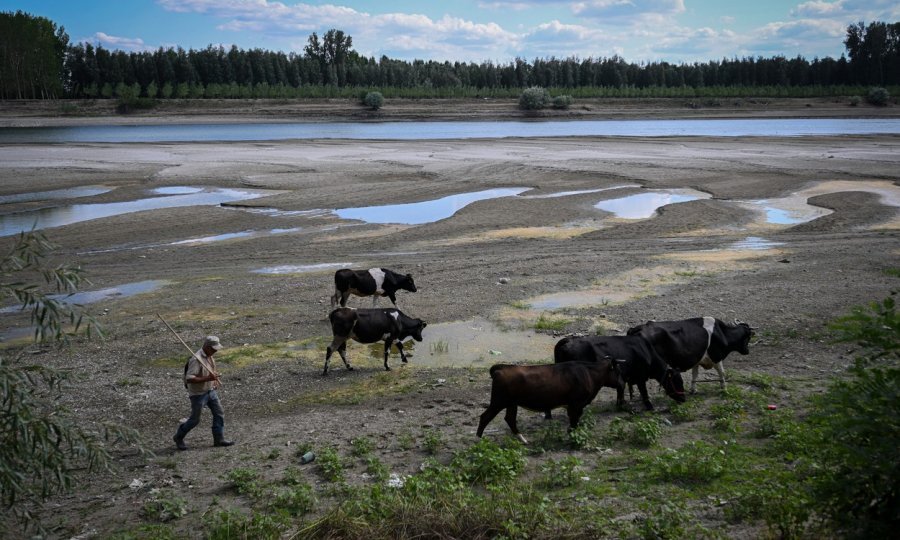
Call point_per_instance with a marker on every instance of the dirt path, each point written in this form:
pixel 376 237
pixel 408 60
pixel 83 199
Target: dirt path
pixel 681 263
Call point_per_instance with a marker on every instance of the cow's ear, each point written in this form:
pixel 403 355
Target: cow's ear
pixel 408 276
pixel 424 324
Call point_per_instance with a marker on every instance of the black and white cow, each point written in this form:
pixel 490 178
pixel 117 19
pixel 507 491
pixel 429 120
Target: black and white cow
pixel 641 362
pixel 691 343
pixel 373 282
pixel 369 326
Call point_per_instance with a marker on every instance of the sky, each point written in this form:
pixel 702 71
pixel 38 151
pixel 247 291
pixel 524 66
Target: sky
pixel 477 30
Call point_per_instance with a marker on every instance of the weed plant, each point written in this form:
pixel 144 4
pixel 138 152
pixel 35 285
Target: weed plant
pixel 331 465
pixel 562 473
pixel 245 481
pixel 696 462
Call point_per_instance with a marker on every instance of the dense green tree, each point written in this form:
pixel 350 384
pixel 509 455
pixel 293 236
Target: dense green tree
pixel 32 57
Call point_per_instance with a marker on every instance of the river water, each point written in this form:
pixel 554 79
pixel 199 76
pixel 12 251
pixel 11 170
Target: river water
pixel 767 127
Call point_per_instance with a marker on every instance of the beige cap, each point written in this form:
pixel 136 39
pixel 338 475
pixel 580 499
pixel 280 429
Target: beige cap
pixel 212 342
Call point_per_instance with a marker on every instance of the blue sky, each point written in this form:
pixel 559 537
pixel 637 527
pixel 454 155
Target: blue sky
pixel 477 30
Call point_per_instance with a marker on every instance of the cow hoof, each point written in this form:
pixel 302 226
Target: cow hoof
pixel 522 438
pixel 349 368
pixel 405 361
pixel 325 373
pixel 387 368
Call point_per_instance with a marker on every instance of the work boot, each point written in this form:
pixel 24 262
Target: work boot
pixel 220 441
pixel 179 443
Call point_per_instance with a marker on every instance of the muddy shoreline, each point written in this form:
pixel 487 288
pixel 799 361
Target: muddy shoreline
pixel 485 263
pixel 30 113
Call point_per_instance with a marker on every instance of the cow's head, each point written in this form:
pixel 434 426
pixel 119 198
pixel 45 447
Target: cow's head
pixel 743 333
pixel 408 284
pixel 673 384
pixel 416 330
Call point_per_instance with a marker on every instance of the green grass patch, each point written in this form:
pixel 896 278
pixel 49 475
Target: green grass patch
pixel 551 323
pixel 383 383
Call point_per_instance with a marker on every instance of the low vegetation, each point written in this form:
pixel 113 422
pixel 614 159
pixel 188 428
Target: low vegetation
pixel 824 468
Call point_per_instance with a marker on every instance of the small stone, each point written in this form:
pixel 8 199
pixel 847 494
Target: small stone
pixel 504 280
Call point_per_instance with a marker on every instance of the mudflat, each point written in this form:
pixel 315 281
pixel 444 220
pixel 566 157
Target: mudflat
pixel 264 287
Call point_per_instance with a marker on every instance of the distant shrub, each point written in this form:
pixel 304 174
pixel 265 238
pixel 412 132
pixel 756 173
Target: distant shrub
pixel 373 100
pixel 878 96
pixel 562 102
pixel 854 100
pixel 534 98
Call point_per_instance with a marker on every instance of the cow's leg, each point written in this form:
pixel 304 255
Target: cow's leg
pixel 393 298
pixel 510 418
pixel 630 392
pixel 620 396
pixel 387 351
pixel 574 416
pixel 400 348
pixel 720 369
pixel 374 299
pixel 486 417
pixel 344 296
pixel 642 388
pixel 694 371
pixel 336 344
pixel 342 350
pixel 335 298
pixel 548 415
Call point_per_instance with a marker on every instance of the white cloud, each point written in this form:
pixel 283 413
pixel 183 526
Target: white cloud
pixel 117 42
pixel 818 8
pixel 395 34
pixel 616 10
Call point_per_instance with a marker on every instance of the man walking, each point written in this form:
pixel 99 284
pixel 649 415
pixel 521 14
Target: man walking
pixel 201 381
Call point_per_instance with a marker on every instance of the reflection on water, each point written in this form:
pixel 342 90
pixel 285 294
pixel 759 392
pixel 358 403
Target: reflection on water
pixel 231 236
pixel 68 193
pixel 65 215
pixel 425 211
pixel 754 243
pixel 299 268
pixel 781 216
pixel 90 297
pixel 795 208
pixel 578 192
pixel 177 190
pixel 644 205
pixel 738 127
pixel 581 298
pixel 475 342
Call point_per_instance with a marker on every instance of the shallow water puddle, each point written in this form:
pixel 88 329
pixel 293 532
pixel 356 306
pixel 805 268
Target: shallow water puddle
pixel 754 243
pixel 68 193
pixel 425 211
pixel 644 205
pixel 795 208
pixel 231 236
pixel 172 197
pixel 474 342
pixel 90 297
pixel 300 268
pixel 578 192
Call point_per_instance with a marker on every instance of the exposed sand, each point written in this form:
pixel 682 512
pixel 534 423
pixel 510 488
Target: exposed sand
pixel 680 263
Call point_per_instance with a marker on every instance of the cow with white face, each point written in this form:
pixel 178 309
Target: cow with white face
pixel 692 343
pixel 374 282
pixel 370 326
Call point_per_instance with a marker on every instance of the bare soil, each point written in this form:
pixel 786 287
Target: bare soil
pixel 675 265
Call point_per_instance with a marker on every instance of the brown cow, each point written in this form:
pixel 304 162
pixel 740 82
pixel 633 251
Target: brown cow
pixel 544 387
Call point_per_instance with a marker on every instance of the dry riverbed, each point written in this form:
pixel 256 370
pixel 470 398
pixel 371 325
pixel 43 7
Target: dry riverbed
pixel 486 276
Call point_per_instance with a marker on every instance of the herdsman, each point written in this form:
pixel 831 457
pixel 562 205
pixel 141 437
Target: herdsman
pixel 201 381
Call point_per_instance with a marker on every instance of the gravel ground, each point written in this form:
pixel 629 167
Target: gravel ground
pixel 680 263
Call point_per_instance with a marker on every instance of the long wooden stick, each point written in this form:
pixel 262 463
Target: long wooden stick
pixel 194 354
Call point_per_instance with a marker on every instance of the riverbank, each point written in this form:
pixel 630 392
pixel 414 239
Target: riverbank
pixel 36 113
pixel 259 274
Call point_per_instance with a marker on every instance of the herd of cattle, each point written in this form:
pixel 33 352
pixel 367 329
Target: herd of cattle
pixel 658 350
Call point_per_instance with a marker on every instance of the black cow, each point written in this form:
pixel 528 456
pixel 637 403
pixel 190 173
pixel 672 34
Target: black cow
pixel 373 282
pixel 691 343
pixel 544 387
pixel 641 362
pixel 369 326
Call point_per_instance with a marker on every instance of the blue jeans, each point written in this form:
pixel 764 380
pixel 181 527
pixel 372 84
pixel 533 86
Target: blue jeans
pixel 209 399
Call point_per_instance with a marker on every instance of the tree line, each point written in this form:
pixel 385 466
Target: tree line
pixel 38 62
